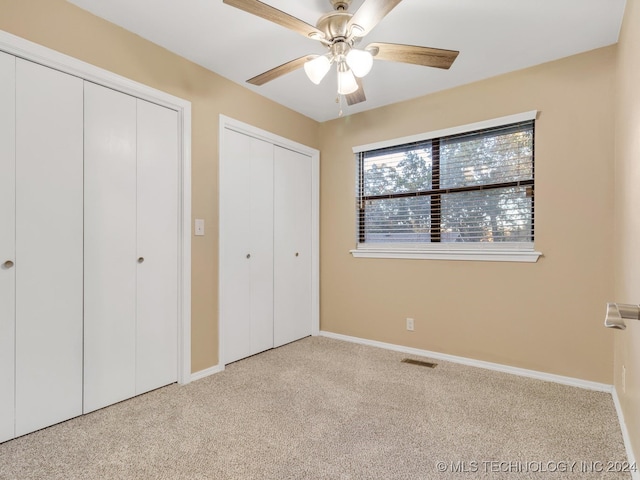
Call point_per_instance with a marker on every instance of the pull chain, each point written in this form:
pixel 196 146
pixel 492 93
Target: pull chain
pixel 339 100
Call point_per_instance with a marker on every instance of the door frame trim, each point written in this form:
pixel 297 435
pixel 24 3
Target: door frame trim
pixel 241 127
pixel 47 57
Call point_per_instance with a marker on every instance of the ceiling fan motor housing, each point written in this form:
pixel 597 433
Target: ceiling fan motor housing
pixel 334 25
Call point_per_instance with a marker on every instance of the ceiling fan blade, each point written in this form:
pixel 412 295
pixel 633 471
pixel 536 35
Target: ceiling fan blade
pixel 280 70
pixel 357 96
pixel 370 14
pixel 274 15
pixel 428 57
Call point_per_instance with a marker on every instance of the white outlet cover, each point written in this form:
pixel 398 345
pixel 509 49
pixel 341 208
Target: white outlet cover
pixel 410 324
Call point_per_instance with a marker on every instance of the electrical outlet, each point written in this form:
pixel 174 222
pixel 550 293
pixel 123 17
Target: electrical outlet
pixel 624 379
pixel 410 324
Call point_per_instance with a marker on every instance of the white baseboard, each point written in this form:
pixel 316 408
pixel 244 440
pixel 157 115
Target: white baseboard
pixel 206 372
pixel 625 435
pixel 523 372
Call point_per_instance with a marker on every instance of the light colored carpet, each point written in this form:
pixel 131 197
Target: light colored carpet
pixel 325 409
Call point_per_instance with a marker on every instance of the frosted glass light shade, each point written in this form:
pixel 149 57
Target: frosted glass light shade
pixel 317 68
pixel 346 82
pixel 360 62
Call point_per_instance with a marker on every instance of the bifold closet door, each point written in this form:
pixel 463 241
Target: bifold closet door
pixel 131 247
pixel 7 245
pixel 246 245
pixel 292 246
pixel 48 261
pixel 110 262
pixel 157 247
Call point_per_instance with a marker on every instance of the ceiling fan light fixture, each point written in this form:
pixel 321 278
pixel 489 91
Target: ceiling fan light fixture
pixel 317 68
pixel 347 83
pixel 339 31
pixel 360 62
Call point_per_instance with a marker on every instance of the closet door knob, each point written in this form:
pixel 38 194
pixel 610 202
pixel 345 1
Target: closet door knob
pixel 7 264
pixel 248 255
pixel 297 254
pixel 140 259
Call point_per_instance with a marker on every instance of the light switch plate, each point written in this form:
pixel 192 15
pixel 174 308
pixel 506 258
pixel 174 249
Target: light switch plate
pixel 199 226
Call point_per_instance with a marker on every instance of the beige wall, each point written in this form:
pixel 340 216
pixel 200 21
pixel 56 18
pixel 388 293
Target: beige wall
pixel 545 316
pixel 63 27
pixel 627 217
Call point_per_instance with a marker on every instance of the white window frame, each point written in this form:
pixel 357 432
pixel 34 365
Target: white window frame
pixel 496 252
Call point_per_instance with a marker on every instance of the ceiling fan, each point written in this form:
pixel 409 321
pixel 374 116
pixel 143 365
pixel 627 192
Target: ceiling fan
pixel 340 31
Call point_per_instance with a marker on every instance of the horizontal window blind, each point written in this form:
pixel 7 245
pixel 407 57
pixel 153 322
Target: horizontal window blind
pixel 474 188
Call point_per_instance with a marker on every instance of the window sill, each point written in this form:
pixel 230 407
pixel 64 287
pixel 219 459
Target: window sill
pixel 473 255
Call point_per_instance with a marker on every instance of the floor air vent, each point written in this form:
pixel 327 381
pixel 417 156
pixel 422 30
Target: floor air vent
pixel 419 363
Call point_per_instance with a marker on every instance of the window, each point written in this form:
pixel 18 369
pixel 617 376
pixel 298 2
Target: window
pixel 462 193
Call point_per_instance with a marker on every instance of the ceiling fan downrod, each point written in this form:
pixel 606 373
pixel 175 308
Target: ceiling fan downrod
pixel 340 5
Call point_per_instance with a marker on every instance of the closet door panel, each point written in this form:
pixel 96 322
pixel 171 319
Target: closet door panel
pixel 7 245
pixel 246 243
pixel 292 250
pixel 260 191
pixel 157 278
pixel 49 174
pixel 235 231
pixel 110 247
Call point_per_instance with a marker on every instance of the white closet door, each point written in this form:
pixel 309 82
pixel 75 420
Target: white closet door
pixel 48 246
pixel 292 252
pixel 7 245
pixel 235 261
pixel 260 178
pixel 110 247
pixel 157 278
pixel 246 245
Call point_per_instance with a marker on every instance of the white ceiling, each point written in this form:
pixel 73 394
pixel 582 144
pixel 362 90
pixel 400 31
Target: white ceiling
pixel 493 37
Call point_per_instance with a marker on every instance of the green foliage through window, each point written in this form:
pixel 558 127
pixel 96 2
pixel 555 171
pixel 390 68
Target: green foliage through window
pixel 473 187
